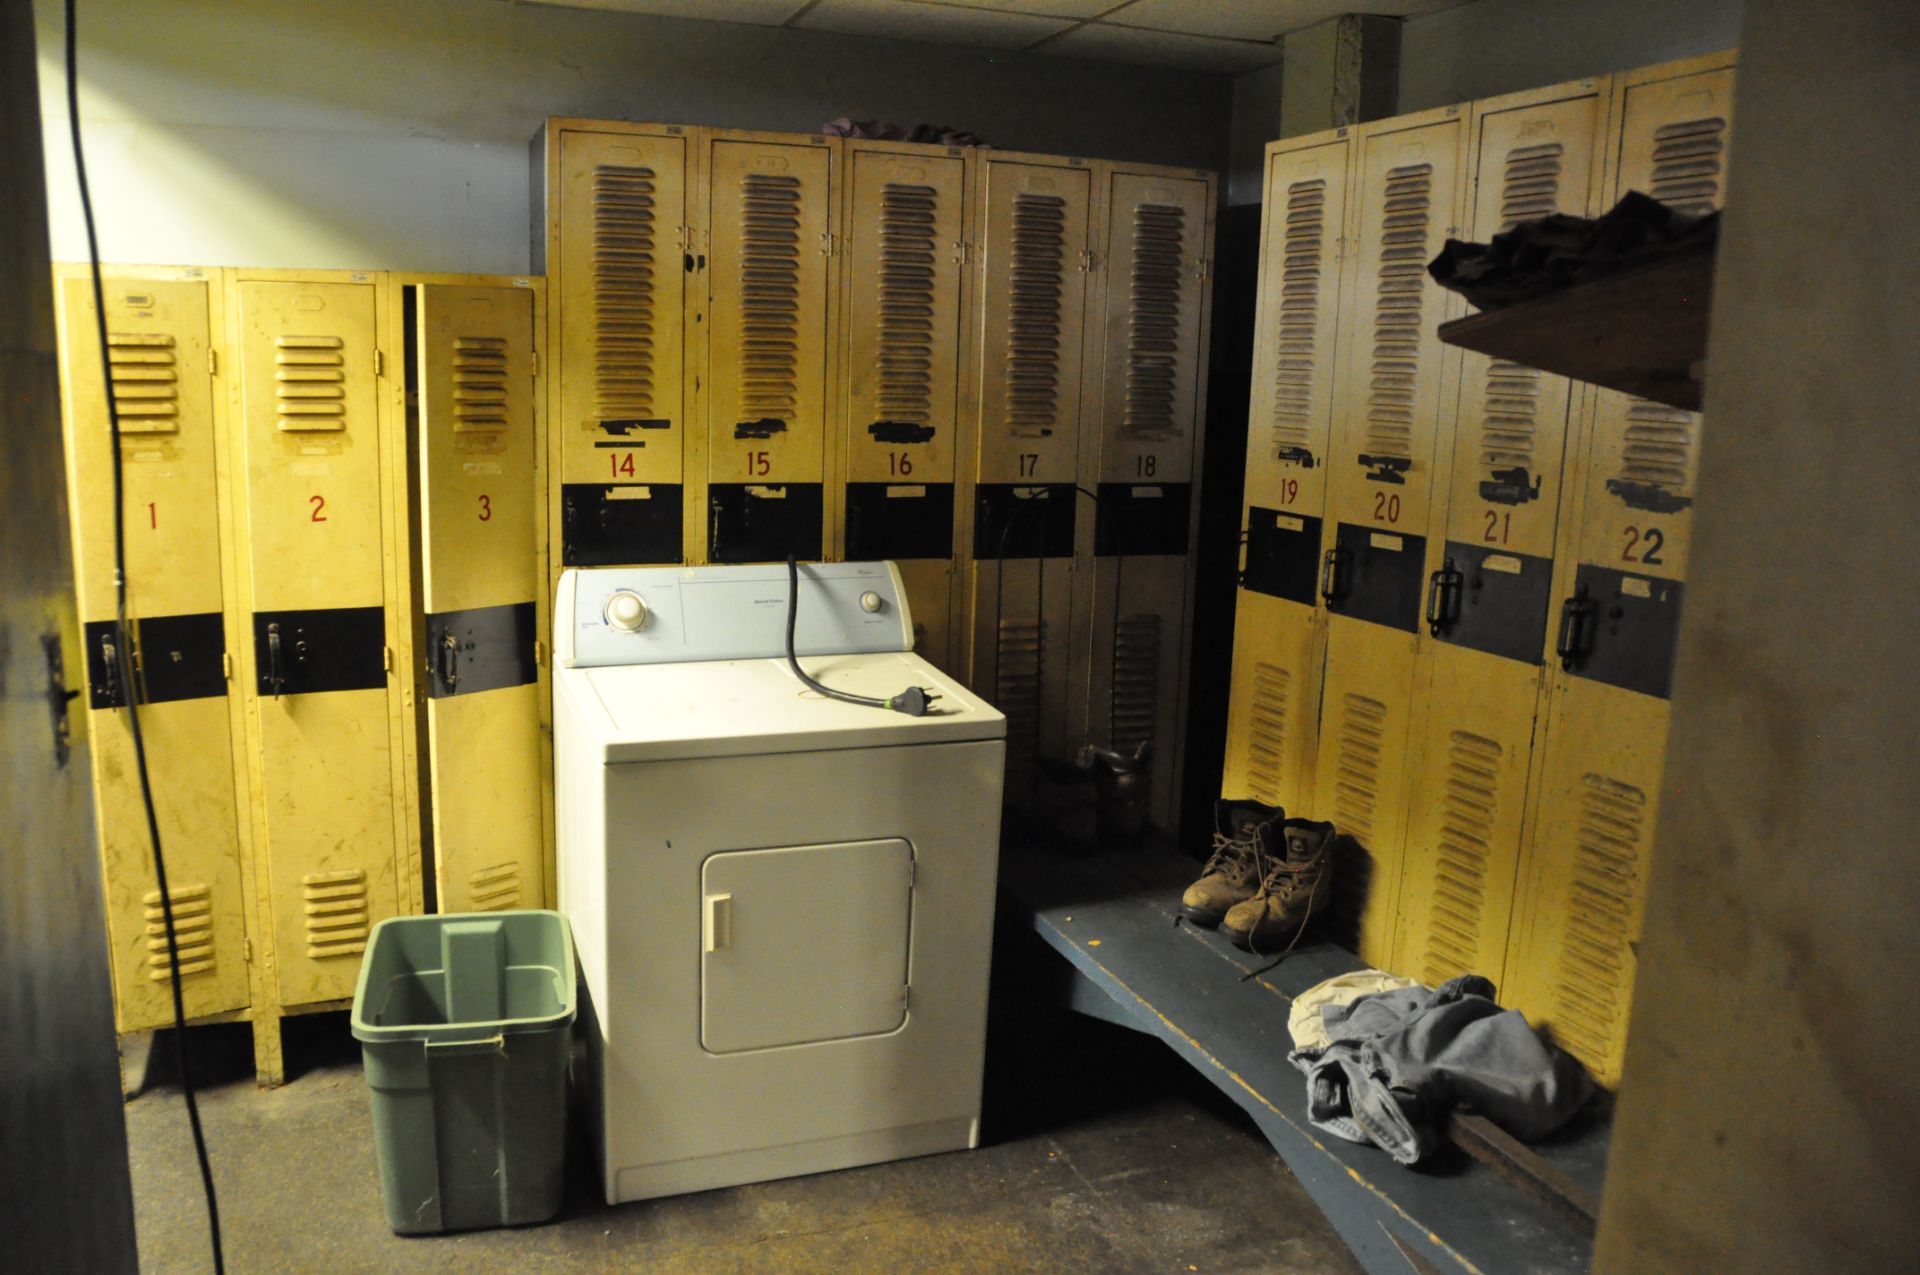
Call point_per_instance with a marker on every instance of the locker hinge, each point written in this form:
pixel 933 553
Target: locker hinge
pixel 379 363
pixel 226 665
pixel 535 354
pixel 213 362
pixel 1202 268
pixel 1086 259
pixel 246 949
pixel 539 653
pixel 386 658
pixel 963 252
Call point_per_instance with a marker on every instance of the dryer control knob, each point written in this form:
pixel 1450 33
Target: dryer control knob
pixel 870 601
pixel 627 611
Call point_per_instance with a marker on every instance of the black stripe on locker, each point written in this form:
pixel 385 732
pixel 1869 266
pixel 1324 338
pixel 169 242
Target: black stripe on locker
pixel 310 652
pixel 481 649
pixel 763 522
pixel 180 658
pixel 622 524
pixel 1376 576
pixel 899 520
pixel 1014 520
pixel 1492 601
pixel 1132 519
pixel 1620 629
pixel 1283 555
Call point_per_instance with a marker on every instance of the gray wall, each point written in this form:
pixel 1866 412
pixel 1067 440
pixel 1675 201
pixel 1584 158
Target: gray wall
pixel 1501 46
pixel 1256 121
pixel 1768 1113
pixel 335 133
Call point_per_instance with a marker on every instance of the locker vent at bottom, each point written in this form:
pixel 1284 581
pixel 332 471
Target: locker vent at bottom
pixel 1600 900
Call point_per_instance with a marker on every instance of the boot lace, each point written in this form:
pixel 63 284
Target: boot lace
pixel 1234 855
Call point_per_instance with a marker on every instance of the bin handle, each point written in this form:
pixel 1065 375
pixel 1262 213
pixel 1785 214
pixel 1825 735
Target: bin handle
pixel 494 1044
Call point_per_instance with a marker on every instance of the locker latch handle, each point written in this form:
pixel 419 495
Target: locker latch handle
pixel 719 922
pixel 450 661
pixel 1575 637
pixel 110 658
pixel 1443 597
pixel 276 678
pixel 1330 582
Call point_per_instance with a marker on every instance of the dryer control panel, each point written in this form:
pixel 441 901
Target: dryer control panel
pixel 678 615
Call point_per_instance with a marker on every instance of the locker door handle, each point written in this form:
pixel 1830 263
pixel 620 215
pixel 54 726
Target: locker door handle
pixel 1575 637
pixel 110 661
pixel 719 921
pixel 1330 564
pixel 1443 597
pixel 276 677
pixel 450 661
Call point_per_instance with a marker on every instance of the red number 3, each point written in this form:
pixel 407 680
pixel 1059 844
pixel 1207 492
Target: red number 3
pixel 486 509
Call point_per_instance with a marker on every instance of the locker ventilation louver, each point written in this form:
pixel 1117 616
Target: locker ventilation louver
pixel 1687 163
pixel 146 381
pixel 1457 905
pixel 1153 321
pixel 904 374
pixel 493 889
pixel 192 931
pixel 310 382
pixel 625 257
pixel 479 384
pixel 1396 317
pixel 1360 743
pixel 1018 684
pixel 1136 681
pixel 1037 280
pixel 1302 257
pixel 336 909
pixel 1530 188
pixel 1267 731
pixel 770 297
pixel 1657 448
pixel 1594 959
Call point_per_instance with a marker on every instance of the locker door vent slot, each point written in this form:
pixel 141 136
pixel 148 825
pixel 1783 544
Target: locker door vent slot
pixel 770 297
pixel 1656 457
pixel 494 889
pixel 1018 682
pixel 479 384
pixel 310 382
pixel 192 929
pixel 903 376
pixel 1362 738
pixel 1507 422
pixel 1153 322
pixel 1033 341
pixel 1594 965
pixel 146 382
pixel 1530 186
pixel 1267 731
pixel 1686 164
pixel 1396 320
pixel 1136 682
pixel 336 909
pixel 1303 254
pixel 625 257
pixel 1458 902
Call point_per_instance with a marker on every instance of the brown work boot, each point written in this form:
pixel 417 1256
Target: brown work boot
pixel 1297 883
pixel 1234 869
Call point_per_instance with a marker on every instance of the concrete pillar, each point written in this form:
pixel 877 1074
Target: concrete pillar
pixel 1342 71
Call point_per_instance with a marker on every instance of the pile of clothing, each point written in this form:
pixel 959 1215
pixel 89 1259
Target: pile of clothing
pixel 888 131
pixel 1538 257
pixel 1386 1061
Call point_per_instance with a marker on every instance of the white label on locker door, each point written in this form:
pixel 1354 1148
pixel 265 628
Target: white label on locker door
pixel 1288 522
pixel 629 493
pixel 481 467
pixel 908 492
pixel 1381 540
pixel 1502 562
pixel 1636 587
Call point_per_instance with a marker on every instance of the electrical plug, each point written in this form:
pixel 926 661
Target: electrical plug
pixel 914 701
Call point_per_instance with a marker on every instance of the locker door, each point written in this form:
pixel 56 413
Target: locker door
pixel 1571 958
pixel 312 439
pixel 1158 241
pixel 769 222
pixel 619 284
pixel 1390 421
pixel 159 332
pixel 1034 223
pixel 1490 596
pixel 474 376
pixel 900 415
pixel 1278 625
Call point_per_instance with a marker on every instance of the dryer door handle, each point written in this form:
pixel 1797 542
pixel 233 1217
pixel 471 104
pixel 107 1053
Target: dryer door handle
pixel 718 921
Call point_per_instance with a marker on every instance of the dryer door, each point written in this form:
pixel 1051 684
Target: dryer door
pixel 802 944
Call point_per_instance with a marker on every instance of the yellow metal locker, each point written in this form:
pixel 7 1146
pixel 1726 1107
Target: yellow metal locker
pixel 471 378
pixel 1156 242
pixel 1278 638
pixel 1392 420
pixel 618 252
pixel 1622 575
pixel 1489 593
pixel 323 577
pixel 903 279
pixel 1034 223
pixel 160 326
pixel 768 241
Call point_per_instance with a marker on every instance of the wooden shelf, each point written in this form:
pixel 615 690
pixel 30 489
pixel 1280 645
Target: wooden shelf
pixel 1642 331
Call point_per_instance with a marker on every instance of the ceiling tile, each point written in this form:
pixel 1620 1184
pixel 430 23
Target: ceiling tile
pixel 767 13
pixel 1106 43
pixel 1078 10
pixel 1254 19
pixel 943 23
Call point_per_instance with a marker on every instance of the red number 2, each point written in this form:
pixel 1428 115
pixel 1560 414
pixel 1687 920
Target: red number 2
pixel 318 503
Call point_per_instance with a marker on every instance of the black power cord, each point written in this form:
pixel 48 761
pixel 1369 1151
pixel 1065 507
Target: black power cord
pixel 123 657
pixel 914 701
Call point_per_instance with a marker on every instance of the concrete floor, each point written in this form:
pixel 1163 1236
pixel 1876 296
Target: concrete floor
pixel 1102 1152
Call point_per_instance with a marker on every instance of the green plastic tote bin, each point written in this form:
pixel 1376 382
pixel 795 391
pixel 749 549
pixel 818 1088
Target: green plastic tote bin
pixel 465 1024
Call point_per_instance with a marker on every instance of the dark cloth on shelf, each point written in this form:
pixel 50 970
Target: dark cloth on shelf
pixel 1399 1061
pixel 888 131
pixel 1538 257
